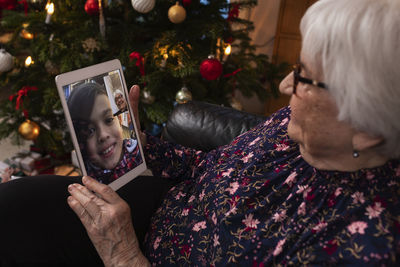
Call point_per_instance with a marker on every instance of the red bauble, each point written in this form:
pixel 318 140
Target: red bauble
pixel 210 68
pixel 8 4
pixel 92 7
pixel 186 2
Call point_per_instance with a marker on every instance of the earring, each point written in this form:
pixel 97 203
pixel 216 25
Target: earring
pixel 355 154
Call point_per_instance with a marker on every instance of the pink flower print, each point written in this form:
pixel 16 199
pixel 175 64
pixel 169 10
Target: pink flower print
pixel 357 227
pixel 338 191
pixel 179 152
pixel 156 242
pixel 267 122
pixel 227 172
pixel 370 175
pixel 282 146
pixel 216 240
pixel 185 211
pixel 279 216
pixel 202 194
pixel 179 195
pixel 278 248
pixel 284 121
pixel 192 197
pixel 318 227
pixel 232 202
pixel 232 188
pixel 254 141
pixel 305 189
pixel 214 218
pixel 249 222
pixel 358 197
pixel 202 177
pixel 375 210
pixel 198 226
pixel 245 159
pixel 291 179
pixel 302 209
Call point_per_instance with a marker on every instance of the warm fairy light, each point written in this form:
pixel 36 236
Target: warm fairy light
pixel 228 50
pixel 28 61
pixel 50 10
pixel 165 56
pixel 24 33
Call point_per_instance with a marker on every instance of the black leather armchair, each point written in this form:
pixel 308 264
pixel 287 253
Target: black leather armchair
pixel 205 126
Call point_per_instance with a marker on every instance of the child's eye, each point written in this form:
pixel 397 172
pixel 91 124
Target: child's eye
pixel 91 131
pixel 109 120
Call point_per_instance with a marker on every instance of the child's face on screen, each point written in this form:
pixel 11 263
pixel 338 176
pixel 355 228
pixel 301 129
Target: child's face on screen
pixel 104 144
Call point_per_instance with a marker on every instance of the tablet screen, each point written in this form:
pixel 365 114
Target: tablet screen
pixel 104 134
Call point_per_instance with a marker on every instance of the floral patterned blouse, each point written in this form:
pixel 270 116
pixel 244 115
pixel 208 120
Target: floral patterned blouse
pixel 256 202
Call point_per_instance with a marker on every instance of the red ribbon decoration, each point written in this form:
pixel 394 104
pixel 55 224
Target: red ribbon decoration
pixel 233 73
pixel 234 12
pixel 139 61
pixel 23 92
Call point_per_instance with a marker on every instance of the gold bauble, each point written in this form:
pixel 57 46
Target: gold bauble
pixel 29 130
pixel 183 95
pixel 176 13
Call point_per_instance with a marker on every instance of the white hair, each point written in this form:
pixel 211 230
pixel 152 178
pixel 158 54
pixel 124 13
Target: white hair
pixel 117 92
pixel 357 45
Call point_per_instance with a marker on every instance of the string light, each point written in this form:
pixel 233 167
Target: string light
pixel 29 61
pixel 50 10
pixel 228 50
pixel 24 33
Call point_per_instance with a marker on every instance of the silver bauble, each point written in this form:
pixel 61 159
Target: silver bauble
pixel 143 6
pixel 6 61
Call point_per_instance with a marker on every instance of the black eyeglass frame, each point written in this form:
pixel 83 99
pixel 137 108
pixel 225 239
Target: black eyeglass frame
pixel 298 78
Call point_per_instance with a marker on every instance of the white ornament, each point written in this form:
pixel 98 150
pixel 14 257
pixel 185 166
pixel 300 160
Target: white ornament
pixel 6 61
pixel 143 6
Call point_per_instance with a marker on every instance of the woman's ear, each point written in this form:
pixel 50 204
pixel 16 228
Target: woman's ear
pixel 363 141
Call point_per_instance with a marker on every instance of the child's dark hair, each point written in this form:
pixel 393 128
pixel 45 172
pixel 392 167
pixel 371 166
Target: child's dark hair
pixel 80 104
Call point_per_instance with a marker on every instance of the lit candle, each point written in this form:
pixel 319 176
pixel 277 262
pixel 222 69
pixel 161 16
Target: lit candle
pixel 28 61
pixel 164 61
pixel 50 11
pixel 227 52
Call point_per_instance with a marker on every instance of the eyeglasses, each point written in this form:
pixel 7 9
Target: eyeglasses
pixel 298 78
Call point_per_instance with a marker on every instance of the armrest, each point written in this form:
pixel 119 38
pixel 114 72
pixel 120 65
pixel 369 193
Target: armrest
pixel 205 126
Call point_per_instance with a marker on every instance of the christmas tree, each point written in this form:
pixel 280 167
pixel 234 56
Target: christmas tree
pixel 176 51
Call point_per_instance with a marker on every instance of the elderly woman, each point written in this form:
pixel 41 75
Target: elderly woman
pixel 315 184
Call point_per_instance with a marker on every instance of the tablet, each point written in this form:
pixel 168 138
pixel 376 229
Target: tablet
pixel 101 123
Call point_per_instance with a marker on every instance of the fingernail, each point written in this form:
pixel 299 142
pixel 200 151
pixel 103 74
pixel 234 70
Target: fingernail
pixel 85 179
pixel 71 187
pixel 70 199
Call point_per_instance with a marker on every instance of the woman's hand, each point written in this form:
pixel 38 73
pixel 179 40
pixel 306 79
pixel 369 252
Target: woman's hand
pixel 107 220
pixel 134 94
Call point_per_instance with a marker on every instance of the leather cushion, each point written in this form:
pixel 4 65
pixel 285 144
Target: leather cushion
pixel 205 126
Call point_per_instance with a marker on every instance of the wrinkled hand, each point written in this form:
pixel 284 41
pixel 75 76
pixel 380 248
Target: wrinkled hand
pixel 134 94
pixel 107 220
